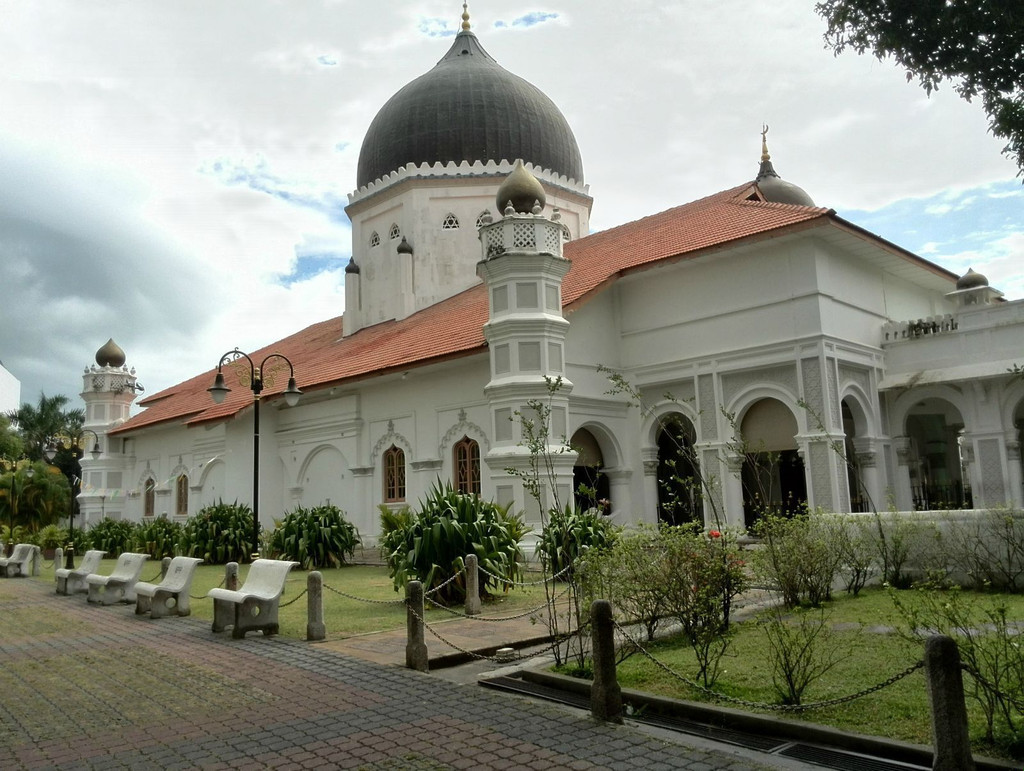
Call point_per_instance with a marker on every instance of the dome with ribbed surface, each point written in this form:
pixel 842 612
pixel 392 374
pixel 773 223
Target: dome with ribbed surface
pixel 468 108
pixel 110 354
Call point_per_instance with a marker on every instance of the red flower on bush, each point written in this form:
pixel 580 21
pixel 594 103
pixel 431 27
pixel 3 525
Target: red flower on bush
pixel 714 534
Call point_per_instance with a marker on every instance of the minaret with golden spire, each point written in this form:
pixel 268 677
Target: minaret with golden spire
pixel 465 17
pixel 766 169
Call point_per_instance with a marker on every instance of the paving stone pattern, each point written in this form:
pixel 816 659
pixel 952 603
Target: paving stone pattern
pixel 86 687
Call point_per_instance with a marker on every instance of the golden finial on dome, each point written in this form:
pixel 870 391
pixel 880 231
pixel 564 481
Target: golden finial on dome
pixel 465 17
pixel 764 143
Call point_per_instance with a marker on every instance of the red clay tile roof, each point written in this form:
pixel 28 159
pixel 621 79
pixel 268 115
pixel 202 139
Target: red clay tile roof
pixel 454 327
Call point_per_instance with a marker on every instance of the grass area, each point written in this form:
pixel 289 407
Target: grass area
pixel 870 652
pixel 343 617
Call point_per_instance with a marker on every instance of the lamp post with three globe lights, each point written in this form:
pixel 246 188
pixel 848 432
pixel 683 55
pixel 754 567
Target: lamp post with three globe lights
pixel 74 444
pixel 255 378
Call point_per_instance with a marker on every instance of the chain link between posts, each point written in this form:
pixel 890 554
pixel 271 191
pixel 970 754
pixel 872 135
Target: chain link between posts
pixel 510 582
pixel 492 619
pixel 293 599
pixel 203 597
pixel 549 648
pixel 363 599
pixel 789 708
pixel 988 686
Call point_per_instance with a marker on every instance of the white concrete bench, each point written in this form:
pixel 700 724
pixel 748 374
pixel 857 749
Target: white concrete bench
pixel 119 586
pixel 171 594
pixel 20 563
pixel 72 581
pixel 255 605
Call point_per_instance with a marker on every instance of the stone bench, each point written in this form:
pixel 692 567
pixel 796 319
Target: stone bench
pixel 20 563
pixel 253 607
pixel 72 581
pixel 171 594
pixel 119 586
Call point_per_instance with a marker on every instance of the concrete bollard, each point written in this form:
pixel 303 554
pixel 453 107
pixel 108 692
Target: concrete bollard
pixel 472 586
pixel 58 560
pixel 165 565
pixel 315 629
pixel 231 576
pixel 415 646
pixel 605 694
pixel 949 712
pixel 37 561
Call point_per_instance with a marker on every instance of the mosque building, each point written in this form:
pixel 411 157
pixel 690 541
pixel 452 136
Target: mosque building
pixel 788 354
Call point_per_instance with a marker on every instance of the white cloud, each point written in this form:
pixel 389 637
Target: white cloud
pixel 116 220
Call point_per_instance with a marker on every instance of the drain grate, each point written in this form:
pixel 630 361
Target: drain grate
pixel 824 757
pixel 844 761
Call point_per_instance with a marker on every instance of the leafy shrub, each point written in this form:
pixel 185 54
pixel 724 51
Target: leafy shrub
pixel 799 556
pixel 219 534
pixel 988 549
pixel 629 574
pixel 158 538
pixel 430 545
pixel 989 644
pixel 702 575
pixel 570 532
pixel 113 536
pixel 801 648
pixel 51 536
pixel 316 537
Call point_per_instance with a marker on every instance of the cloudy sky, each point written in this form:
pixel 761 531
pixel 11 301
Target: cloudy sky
pixel 173 173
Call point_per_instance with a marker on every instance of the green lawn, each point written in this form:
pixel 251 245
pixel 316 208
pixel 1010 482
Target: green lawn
pixel 869 654
pixel 343 617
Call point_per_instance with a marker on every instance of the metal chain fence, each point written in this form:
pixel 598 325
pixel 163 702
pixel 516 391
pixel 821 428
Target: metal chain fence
pixel 492 619
pixel 789 708
pixel 547 649
pixel 991 688
pixel 503 580
pixel 363 599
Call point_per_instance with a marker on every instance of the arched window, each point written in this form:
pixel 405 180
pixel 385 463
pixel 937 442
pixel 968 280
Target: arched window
pixel 149 498
pixel 181 497
pixel 480 219
pixel 394 474
pixel 466 465
pixel 394 233
pixel 374 239
pixel 451 222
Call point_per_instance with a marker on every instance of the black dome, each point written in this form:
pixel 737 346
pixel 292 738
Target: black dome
pixel 468 108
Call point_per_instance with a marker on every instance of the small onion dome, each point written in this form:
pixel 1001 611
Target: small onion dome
pixel 405 247
pixel 522 190
pixel 352 267
pixel 773 187
pixel 110 355
pixel 971 280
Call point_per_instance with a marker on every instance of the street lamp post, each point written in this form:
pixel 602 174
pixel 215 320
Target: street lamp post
pixel 256 378
pixel 75 445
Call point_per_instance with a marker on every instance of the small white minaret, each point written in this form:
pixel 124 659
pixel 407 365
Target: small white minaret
pixel 108 389
pixel 523 268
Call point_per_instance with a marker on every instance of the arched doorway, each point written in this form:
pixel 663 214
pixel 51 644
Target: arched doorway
pixel 859 495
pixel 679 491
pixel 773 472
pixel 591 488
pixel 938 481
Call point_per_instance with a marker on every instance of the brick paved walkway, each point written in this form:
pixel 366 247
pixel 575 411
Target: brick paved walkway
pixel 86 687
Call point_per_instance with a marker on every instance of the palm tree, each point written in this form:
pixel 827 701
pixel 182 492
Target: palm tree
pixel 37 424
pixel 47 497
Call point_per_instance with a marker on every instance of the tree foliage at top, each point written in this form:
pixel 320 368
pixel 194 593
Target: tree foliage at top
pixel 978 45
pixel 37 424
